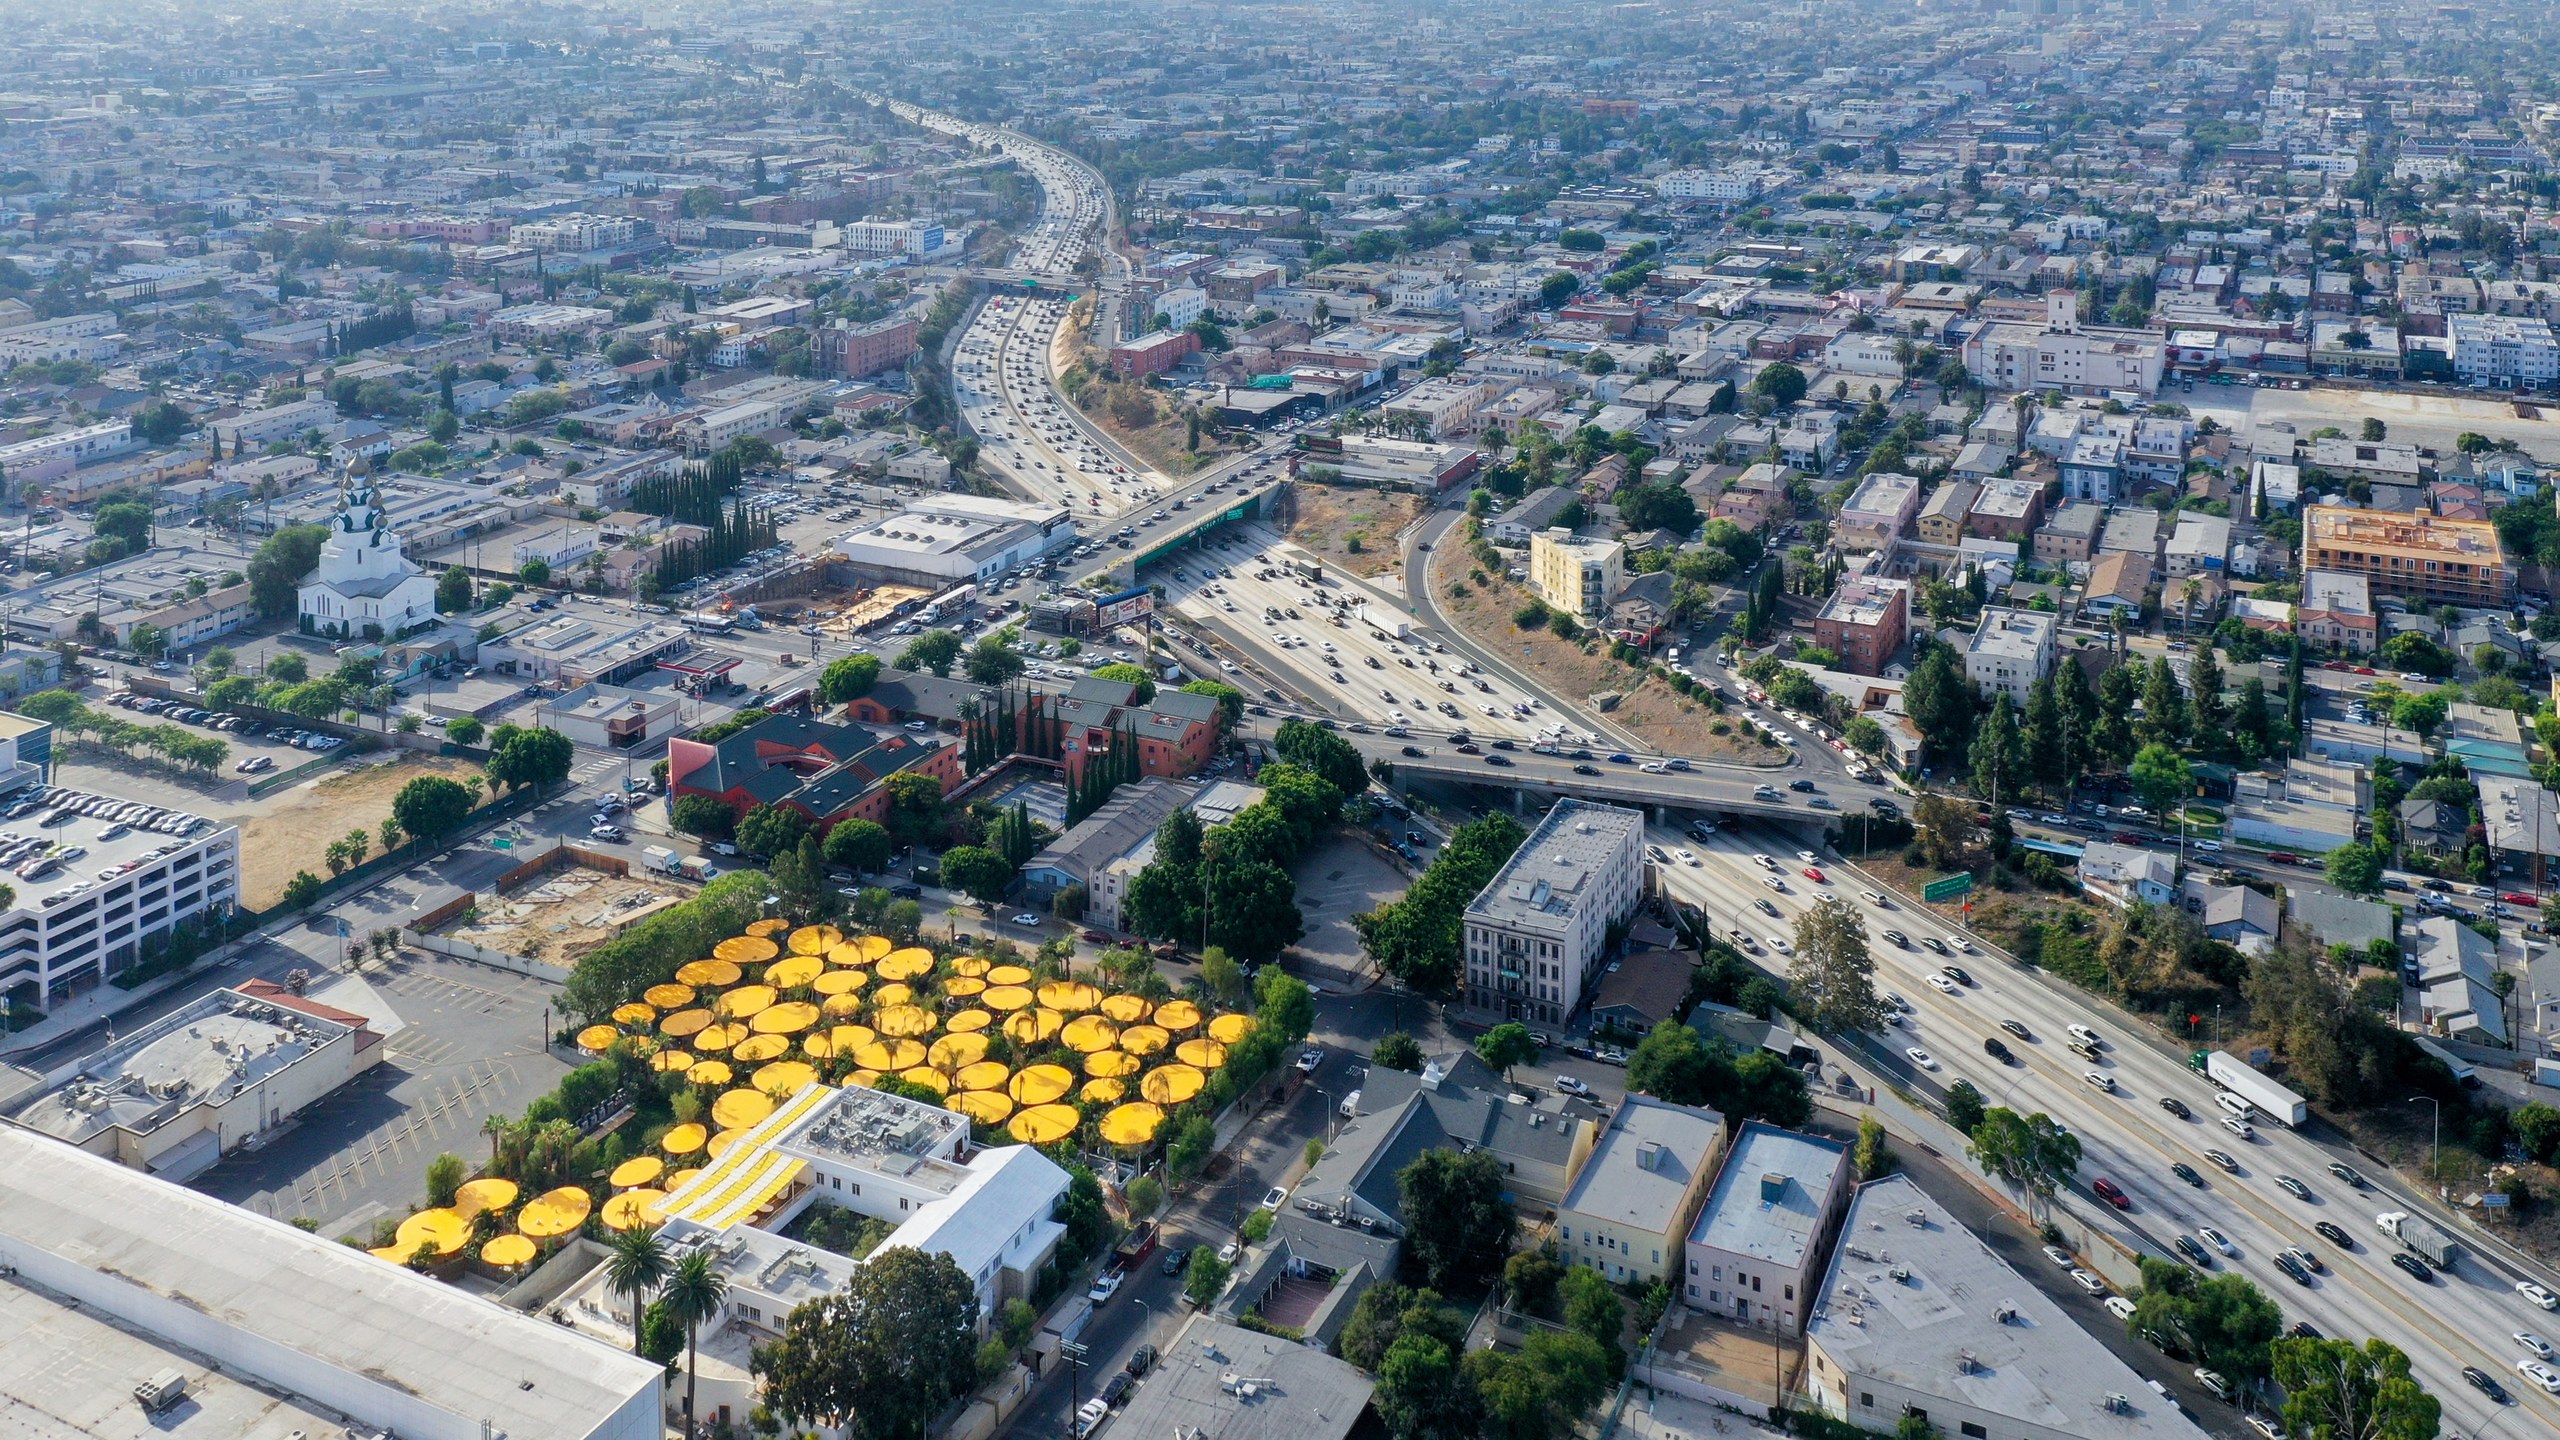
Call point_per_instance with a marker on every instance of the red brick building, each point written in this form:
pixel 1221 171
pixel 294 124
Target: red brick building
pixel 1152 354
pixel 853 351
pixel 828 773
pixel 1864 622
pixel 1176 733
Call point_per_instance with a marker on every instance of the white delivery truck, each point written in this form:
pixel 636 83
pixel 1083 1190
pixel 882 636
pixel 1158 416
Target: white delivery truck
pixel 2272 1100
pixel 661 859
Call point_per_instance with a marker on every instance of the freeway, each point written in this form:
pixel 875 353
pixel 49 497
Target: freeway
pixel 2463 1316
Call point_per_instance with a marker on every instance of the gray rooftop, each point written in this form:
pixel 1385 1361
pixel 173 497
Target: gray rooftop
pixel 1769 1198
pixel 2338 919
pixel 1224 1381
pixel 1642 1165
pixel 205 1052
pixel 1541 885
pixel 1966 1328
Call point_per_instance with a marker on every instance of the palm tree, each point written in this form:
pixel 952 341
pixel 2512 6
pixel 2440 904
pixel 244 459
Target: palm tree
pixel 693 1294
pixel 637 1268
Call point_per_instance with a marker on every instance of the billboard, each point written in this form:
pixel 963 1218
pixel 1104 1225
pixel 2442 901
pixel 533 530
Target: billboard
pixel 1124 607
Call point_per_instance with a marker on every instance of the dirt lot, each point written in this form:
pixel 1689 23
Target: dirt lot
pixel 1325 520
pixel 1654 712
pixel 290 828
pixel 566 913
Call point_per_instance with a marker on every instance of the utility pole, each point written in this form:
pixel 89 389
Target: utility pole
pixel 1073 1354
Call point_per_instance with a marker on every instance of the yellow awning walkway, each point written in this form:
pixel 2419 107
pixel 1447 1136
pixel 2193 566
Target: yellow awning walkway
pixel 746 1178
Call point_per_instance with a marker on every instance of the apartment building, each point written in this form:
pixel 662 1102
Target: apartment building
pixel 1864 622
pixel 2011 650
pixel 2430 559
pixel 851 351
pixel 2063 354
pixel 1942 515
pixel 1575 575
pixel 2006 510
pixel 1760 1240
pixel 2070 534
pixel 65 931
pixel 48 456
pixel 1629 1206
pixel 1882 507
pixel 2509 350
pixel 2336 610
pixel 913 239
pixel 1537 932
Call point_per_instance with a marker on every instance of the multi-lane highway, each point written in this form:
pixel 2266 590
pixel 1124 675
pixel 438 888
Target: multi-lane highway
pixel 2464 1316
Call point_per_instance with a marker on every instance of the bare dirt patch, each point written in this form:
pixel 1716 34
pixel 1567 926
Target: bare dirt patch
pixel 291 828
pixel 1329 522
pixel 564 914
pixel 1578 669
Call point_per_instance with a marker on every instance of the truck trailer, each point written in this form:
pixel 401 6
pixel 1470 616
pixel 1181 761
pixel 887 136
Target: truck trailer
pixel 2418 1237
pixel 2274 1101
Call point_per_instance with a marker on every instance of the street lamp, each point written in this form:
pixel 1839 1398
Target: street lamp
pixel 2435 1149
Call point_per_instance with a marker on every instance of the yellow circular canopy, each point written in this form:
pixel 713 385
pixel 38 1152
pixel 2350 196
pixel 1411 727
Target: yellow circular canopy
pixel 720 1037
pixel 768 925
pixel 1205 1053
pixel 842 1040
pixel 1144 1039
pixel 785 1077
pixel 478 1197
pixel 840 982
pixel 1177 1015
pixel 1089 1033
pixel 987 1107
pixel 681 1178
pixel 595 1038
pixel 1230 1028
pixel 1127 1009
pixel 969 965
pixel 682 1140
pixel 635 1210
pixel 1171 1084
pixel 1006 997
pixel 634 1012
pixel 894 993
pixel 845 952
pixel 756 1049
pixel 1111 1063
pixel 1031 1027
pixel 794 972
pixel 667 1062
pixel 967 1021
pixel 903 1020
pixel 814 939
pixel 638 1170
pixel 788 1018
pixel 893 1054
pixel 1105 1091
pixel 746 1001
pixel 669 997
pixel 507 1250
pixel 1134 1123
pixel 721 1142
pixel 746 950
pixel 685 1022
pixel 928 1077
pixel 876 948
pixel 1043 1123
pixel 714 973
pixel 840 1007
pixel 1071 996
pixel 982 1075
pixel 710 1072
pixel 738 1109
pixel 961 987
pixel 905 964
pixel 555 1212
pixel 444 1229
pixel 953 1051
pixel 1009 975
pixel 1041 1084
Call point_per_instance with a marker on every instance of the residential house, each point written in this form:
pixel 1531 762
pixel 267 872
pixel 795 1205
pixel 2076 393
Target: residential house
pixel 2455 968
pixel 2336 610
pixel 2117 584
pixel 2334 919
pixel 1942 515
pixel 2123 874
pixel 2234 914
pixel 2070 534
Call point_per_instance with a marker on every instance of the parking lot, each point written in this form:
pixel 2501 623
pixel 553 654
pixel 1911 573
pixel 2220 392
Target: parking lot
pixel 256 747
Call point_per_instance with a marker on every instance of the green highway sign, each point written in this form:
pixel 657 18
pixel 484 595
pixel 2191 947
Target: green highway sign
pixel 1946 889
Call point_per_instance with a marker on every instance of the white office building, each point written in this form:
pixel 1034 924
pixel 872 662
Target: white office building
pixel 943 540
pixel 1537 933
pixel 2510 350
pixel 67 930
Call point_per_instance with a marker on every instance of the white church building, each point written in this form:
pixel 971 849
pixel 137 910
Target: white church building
pixel 363 587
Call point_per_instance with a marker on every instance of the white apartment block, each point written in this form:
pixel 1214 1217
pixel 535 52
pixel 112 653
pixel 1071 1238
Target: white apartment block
pixel 47 456
pixel 1721 187
pixel 2011 651
pixel 579 232
pixel 914 239
pixel 2064 355
pixel 538 323
pixel 68 930
pixel 1538 931
pixel 2504 349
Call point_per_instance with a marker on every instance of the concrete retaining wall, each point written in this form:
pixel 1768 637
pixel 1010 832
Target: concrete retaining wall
pixel 482 955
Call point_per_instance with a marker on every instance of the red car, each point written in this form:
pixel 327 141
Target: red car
pixel 2366 670
pixel 1814 875
pixel 2284 857
pixel 2127 837
pixel 1097 937
pixel 2105 1189
pixel 2336 665
pixel 2520 898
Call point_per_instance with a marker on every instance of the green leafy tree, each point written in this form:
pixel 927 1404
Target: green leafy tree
pixel 522 757
pixel 1999 755
pixel 1505 1046
pixel 453 589
pixel 2031 1152
pixel 1129 674
pixel 536 571
pixel 275 573
pixel 1206 1277
pixel 981 872
pixel 1592 1309
pixel 1321 751
pixel 934 650
pixel 771 830
pixel 2339 1390
pixel 1832 975
pixel 848 679
pixel 2160 776
pixel 703 815
pixel 1472 1225
pixel 431 807
pixel 1397 1050
pixel 993 662
pixel 1781 382
pixel 1422 1395
pixel 1940 702
pixel 2224 1320
pixel 861 846
pixel 886 1355
pixel 2355 867
pixel 1964 1106
pixel 2164 710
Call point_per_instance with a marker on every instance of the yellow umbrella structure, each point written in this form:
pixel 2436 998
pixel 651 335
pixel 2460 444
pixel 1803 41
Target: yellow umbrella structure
pixel 721 1142
pixel 554 1212
pixel 969 965
pixel 713 973
pixel 967 1021
pixel 1134 1123
pixel 635 1210
pixel 794 972
pixel 745 950
pixel 507 1250
pixel 669 997
pixel 1230 1028
pixel 595 1038
pixel 961 987
pixel 1009 975
pixel 928 1077
pixel 720 1037
pixel 1031 1027
pixel 746 1001
pixel 1041 1084
pixel 756 1049
pixel 768 925
pixel 1171 1084
pixel 1072 996
pixel 1127 1009
pixel 905 964
pixel 1043 1123
pixel 682 1140
pixel 684 1023
pixel 1144 1039
pixel 982 1075
pixel 738 1109
pixel 903 1020
pixel 891 1054
pixel 840 982
pixel 862 1080
pixel 1089 1033
pixel 876 948
pixel 814 939
pixel 845 952
pixel 1007 998
pixel 1205 1053
pixel 679 1179
pixel 953 1051
pixel 478 1197
pixel 443 1230
pixel 1111 1064
pixel 840 1007
pixel 788 1018
pixel 987 1107
pixel 785 1077
pixel 1177 1015
pixel 638 1170
pixel 842 1040
pixel 634 1012
pixel 667 1062
pixel 1105 1091
pixel 710 1072
pixel 897 992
